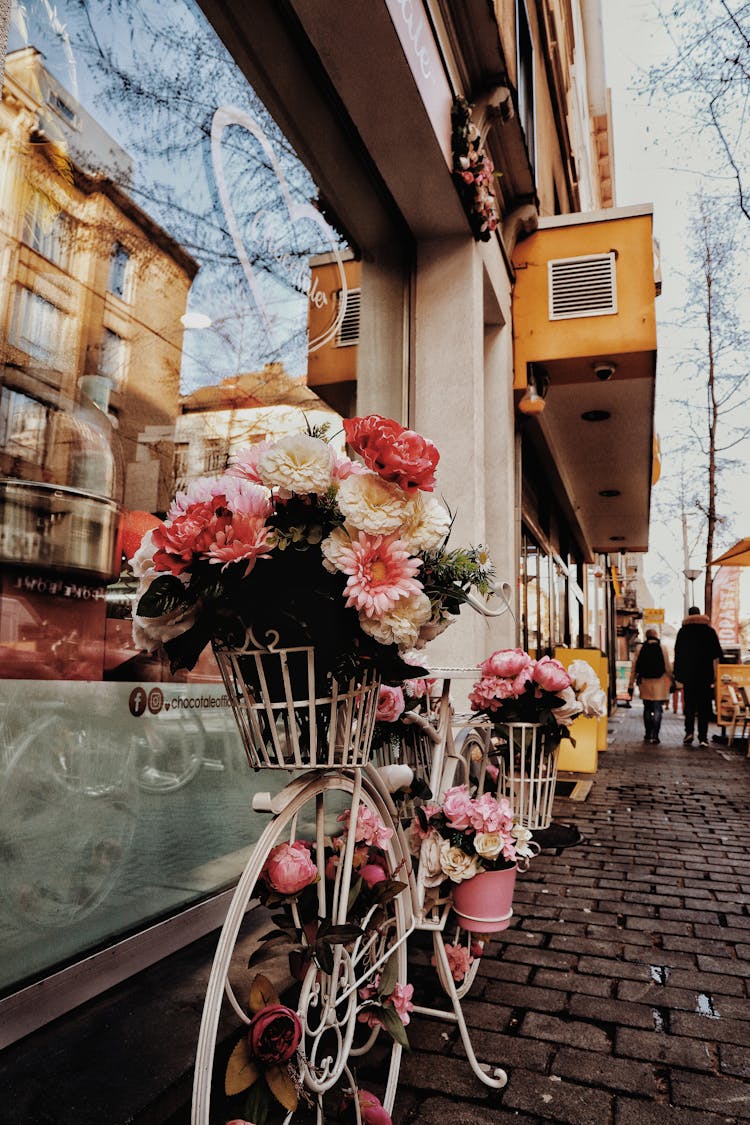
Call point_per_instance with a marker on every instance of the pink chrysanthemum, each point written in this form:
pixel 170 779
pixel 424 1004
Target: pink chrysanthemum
pixel 246 462
pixel 245 538
pixel 381 572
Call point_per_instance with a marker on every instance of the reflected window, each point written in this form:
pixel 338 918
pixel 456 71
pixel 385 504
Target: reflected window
pixel 47 229
pixel 525 65
pixel 214 455
pixel 23 426
pixel 38 327
pixel 113 356
pixel 119 271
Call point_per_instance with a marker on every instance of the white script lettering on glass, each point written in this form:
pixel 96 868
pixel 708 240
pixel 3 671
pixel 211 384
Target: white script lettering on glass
pixel 415 27
pixel 263 227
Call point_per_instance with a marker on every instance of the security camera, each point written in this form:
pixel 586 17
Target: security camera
pixel 604 371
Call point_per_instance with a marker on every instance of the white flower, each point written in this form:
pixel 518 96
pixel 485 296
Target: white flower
pixel 401 624
pixel 426 525
pixel 456 864
pixel 372 504
pixel 142 562
pixel 149 633
pixel 297 463
pixel 522 837
pixel 333 548
pixel 593 702
pixel 488 845
pixel 570 707
pixel 582 675
pixel 432 629
pixel 430 869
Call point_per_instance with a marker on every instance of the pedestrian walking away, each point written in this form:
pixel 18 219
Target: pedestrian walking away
pixel 652 672
pixel 697 651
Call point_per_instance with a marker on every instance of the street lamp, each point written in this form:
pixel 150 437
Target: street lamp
pixel 691 576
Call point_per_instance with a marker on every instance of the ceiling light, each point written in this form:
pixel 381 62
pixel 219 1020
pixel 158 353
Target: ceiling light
pixel 596 415
pixel 195 320
pixel 617 538
pixel 531 402
pixel 609 492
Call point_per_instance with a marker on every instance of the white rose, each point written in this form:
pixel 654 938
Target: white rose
pixel 456 864
pixel 426 524
pixel 570 707
pixel 142 562
pixel 488 845
pixel 149 633
pixel 297 463
pixel 371 504
pixel 593 702
pixel 430 870
pixel 400 625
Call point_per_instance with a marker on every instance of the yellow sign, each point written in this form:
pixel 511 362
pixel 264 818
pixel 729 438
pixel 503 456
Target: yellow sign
pixel 653 616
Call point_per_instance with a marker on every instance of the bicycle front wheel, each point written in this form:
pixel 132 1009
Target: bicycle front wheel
pixel 348 985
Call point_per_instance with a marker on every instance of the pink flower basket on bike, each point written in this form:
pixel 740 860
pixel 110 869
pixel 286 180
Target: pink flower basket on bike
pixel 484 904
pixel 291 718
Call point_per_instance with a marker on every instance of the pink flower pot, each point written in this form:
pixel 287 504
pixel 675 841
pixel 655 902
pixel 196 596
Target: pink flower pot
pixel 484 904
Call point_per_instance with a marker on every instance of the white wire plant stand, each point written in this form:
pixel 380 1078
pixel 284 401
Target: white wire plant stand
pixel 324 739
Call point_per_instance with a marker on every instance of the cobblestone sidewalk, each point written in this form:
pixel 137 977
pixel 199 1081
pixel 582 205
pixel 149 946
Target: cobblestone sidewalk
pixel 619 996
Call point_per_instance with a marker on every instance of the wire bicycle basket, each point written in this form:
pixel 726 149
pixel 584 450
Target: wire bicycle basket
pixel 286 719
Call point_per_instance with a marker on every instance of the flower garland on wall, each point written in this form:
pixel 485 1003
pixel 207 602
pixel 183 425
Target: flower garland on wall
pixel 473 172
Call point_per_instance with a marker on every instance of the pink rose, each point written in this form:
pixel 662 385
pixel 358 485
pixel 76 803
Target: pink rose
pixel 457 807
pixel 289 868
pixel 393 452
pixel 390 704
pixel 506 662
pixel 550 675
pixel 274 1034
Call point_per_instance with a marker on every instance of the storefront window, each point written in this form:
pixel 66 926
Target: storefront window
pixel 210 304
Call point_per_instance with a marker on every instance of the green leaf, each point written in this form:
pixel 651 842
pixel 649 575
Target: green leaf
pixel 282 1087
pixel 394 1026
pixel 387 890
pixel 241 1071
pixel 388 976
pixel 340 935
pixel 323 955
pixel 262 993
pixel 259 1103
pixel 354 890
pixel 269 948
pixel 165 594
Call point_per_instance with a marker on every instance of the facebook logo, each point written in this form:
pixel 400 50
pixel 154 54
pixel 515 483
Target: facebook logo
pixel 137 702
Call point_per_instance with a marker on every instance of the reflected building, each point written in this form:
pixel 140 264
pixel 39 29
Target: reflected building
pixel 91 291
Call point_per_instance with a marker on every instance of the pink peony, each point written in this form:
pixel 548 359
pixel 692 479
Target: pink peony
pixel 550 675
pixel 289 868
pixel 507 662
pixel 371 1109
pixel 390 704
pixel 488 694
pixel 372 874
pixel 274 1034
pixel 458 807
pixel 459 960
pixel 381 573
pixel 370 828
pixel 395 453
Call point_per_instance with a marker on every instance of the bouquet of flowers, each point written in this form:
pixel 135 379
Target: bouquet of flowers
pixel 300 541
pixel 514 688
pixel 465 836
pixel 473 172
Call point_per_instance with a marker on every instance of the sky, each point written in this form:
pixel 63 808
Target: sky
pixel 660 159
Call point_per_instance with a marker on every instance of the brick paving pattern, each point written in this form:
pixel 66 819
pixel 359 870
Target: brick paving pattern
pixel 619 996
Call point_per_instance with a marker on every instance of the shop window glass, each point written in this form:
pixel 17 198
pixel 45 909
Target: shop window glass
pixel 525 65
pixel 125 790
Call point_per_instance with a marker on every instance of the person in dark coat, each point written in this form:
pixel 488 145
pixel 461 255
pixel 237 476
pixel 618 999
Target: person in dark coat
pixel 652 672
pixel 696 652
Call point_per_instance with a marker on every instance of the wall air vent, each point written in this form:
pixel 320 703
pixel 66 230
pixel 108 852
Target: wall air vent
pixel 582 286
pixel 349 328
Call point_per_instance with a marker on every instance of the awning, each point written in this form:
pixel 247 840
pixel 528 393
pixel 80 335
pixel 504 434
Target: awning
pixel 738 555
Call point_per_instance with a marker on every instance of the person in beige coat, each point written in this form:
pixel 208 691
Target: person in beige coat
pixel 652 672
